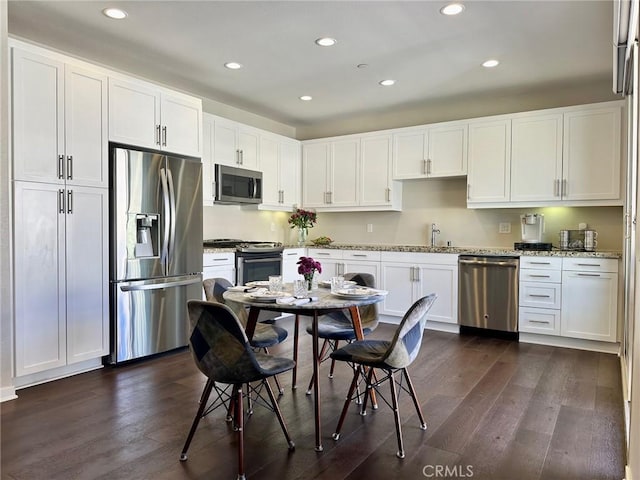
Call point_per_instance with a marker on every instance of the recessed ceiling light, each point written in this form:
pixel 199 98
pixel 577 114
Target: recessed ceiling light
pixel 326 42
pixel 387 83
pixel 452 9
pixel 306 98
pixel 233 65
pixel 115 13
pixel 490 63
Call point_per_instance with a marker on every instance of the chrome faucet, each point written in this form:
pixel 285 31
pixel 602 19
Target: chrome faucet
pixel 434 232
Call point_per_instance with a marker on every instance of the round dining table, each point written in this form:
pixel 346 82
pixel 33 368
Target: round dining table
pixel 322 302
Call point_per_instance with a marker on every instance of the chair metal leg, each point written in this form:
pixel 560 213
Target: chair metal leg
pixel 276 409
pixel 412 392
pixel 333 362
pixel 323 352
pixel 396 414
pixel 240 426
pixel 294 373
pixel 204 398
pixel 347 402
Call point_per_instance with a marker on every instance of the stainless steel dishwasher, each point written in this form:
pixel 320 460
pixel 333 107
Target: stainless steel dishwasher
pixel 488 292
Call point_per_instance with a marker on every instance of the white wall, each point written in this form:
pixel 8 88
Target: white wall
pixel 440 201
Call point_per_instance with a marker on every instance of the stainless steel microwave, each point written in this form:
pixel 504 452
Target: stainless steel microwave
pixel 237 185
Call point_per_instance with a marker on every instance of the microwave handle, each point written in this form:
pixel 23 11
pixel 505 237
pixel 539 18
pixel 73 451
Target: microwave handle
pixel 254 188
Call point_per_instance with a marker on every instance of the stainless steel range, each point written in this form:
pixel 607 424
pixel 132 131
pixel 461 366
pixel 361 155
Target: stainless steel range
pixel 254 260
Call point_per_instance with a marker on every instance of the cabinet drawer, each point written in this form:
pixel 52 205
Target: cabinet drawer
pixel 218 258
pixel 539 320
pixel 319 253
pixel 541 263
pixel 371 256
pixel 547 276
pixel 544 295
pixel 295 253
pixel 419 257
pixel 590 264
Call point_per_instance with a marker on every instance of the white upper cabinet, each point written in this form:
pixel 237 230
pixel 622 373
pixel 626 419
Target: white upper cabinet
pixel 350 173
pixel 235 144
pixel 439 150
pixel 143 115
pixel 536 158
pixel 59 121
pixel 489 161
pixel 591 163
pixel 280 166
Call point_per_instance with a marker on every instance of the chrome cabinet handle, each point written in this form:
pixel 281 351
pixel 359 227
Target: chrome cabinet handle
pixel 238 162
pixel 468 191
pixel 158 134
pixel 539 263
pixel 241 157
pixel 69 167
pixel 60 201
pixel 60 166
pixel 539 321
pixel 564 187
pixel 589 264
pixel 539 276
pixel 588 274
pixel 388 194
pixel 539 296
pixel 164 135
pixel 429 167
pixel 556 187
pixel 424 167
pixel 69 201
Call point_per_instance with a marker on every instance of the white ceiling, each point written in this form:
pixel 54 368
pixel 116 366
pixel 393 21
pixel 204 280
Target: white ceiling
pixel 185 44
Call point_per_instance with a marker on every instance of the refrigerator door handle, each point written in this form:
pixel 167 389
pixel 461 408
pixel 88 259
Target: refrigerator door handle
pixel 159 283
pixel 172 218
pixel 166 214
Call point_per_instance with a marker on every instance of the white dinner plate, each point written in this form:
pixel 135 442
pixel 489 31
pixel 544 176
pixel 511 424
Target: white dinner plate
pixel 358 293
pixel 258 283
pixel 327 283
pixel 267 296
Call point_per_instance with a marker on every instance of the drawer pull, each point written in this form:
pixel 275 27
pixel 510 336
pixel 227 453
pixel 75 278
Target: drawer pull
pixel 539 321
pixel 220 259
pixel 540 276
pixel 360 255
pixel 540 263
pixel 539 296
pixel 588 274
pixel 323 253
pixel 589 264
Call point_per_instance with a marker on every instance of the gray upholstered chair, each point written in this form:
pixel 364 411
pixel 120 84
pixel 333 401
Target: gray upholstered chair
pixel 264 336
pixel 390 357
pixel 337 326
pixel 222 352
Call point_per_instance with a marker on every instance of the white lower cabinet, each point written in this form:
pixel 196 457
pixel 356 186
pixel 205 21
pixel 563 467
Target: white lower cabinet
pixel 339 262
pixel 219 265
pixel 570 297
pixel 290 257
pixel 61 276
pixel 410 276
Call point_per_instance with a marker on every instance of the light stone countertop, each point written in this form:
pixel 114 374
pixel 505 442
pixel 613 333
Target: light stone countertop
pixel 454 250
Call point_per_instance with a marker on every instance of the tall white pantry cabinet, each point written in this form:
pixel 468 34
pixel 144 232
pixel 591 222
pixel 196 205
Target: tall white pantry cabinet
pixel 60 160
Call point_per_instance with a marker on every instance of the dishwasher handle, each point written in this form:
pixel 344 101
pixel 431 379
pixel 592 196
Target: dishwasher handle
pixel 489 263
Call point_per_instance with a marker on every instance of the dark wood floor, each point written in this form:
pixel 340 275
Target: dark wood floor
pixel 495 410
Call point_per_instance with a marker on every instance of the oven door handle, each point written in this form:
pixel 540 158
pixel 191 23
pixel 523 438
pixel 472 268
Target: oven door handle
pixel 261 260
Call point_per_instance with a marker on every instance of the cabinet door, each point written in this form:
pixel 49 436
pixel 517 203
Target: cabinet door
pixel 290 173
pixel 375 165
pixel 248 146
pixel 87 277
pixel 355 266
pixel 443 281
pixel 290 257
pixel 39 239
pixel 85 128
pixel 269 165
pixel 398 280
pixel 181 124
pixel 589 305
pixel 447 151
pixel 134 114
pixel 410 154
pixel 536 158
pixel 489 162
pixel 591 164
pixel 225 143
pixel 38 117
pixel 343 189
pixel 315 162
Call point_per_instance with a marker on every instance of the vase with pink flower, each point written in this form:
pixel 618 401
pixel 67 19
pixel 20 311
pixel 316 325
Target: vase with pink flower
pixel 303 220
pixel 307 267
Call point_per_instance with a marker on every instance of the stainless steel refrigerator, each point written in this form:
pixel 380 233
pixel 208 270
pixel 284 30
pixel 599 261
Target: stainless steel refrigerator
pixel 155 249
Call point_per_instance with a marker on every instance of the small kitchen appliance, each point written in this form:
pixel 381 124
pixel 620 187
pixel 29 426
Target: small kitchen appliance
pixel 532 226
pixel 578 240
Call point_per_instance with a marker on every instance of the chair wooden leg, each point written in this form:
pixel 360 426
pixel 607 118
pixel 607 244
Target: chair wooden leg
pixel 347 402
pixel 412 392
pixel 333 362
pixel 276 409
pixel 294 373
pixel 369 392
pixel 322 353
pixel 275 377
pixel 240 426
pixel 204 398
pixel 396 414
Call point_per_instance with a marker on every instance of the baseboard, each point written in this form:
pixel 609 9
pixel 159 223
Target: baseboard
pixel 57 373
pixel 7 393
pixel 566 342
